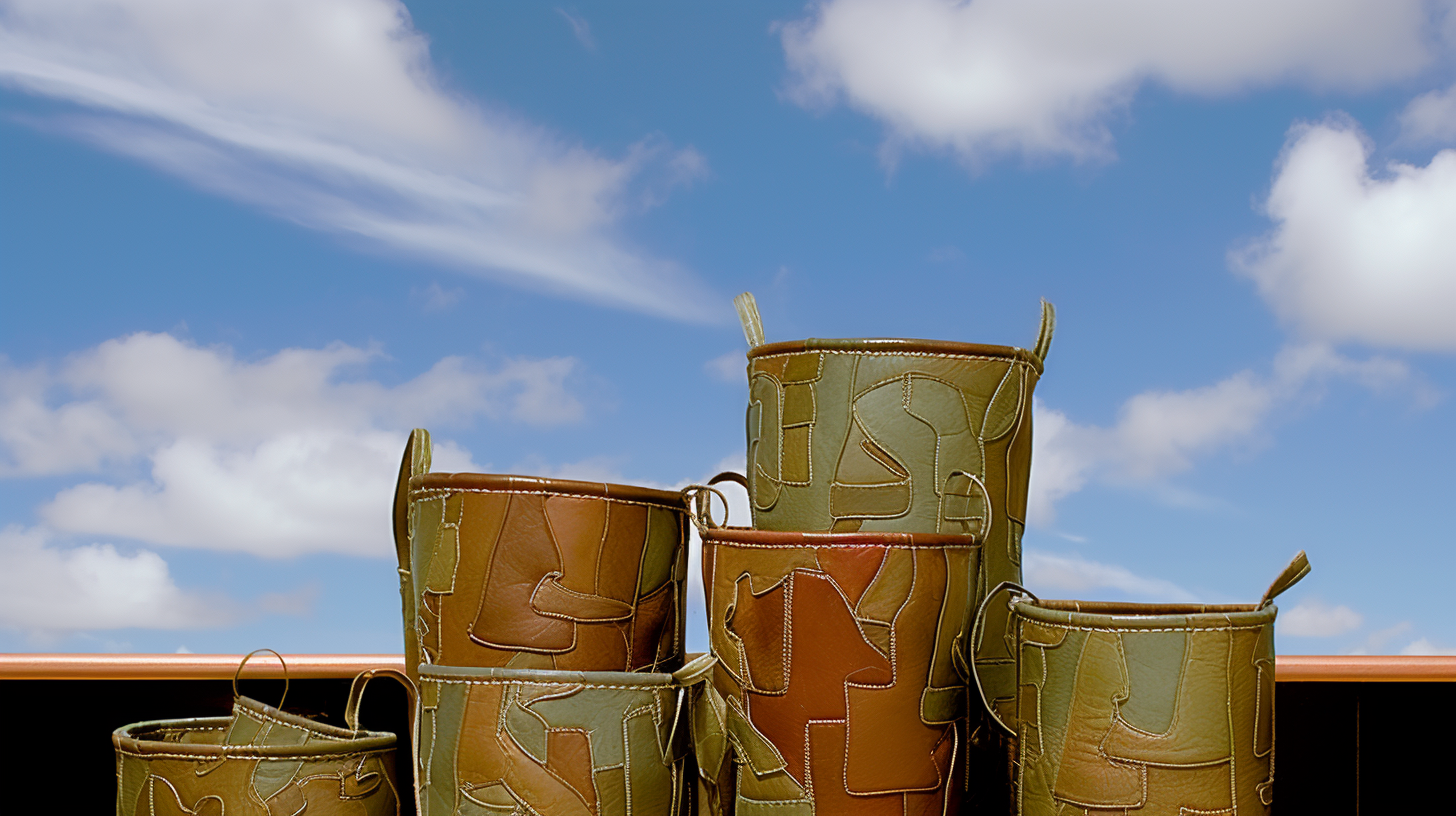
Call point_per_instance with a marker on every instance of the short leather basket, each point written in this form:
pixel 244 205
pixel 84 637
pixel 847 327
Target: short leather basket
pixel 260 761
pixel 836 663
pixel 519 741
pixel 500 571
pixel 1143 708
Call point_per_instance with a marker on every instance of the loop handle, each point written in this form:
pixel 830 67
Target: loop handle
pixel 244 662
pixel 699 499
pixel 1292 574
pixel 748 315
pixel 1044 334
pixel 361 682
pixel 694 672
pixel 416 462
pixel 976 634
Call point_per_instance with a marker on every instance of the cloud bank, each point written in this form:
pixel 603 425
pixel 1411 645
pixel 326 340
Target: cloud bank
pixel 995 77
pixel 294 453
pixel 329 113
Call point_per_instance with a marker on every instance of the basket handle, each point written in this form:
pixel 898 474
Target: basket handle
pixel 699 500
pixel 244 662
pixel 1044 333
pixel 1292 574
pixel 416 462
pixel 361 682
pixel 976 634
pixel 747 309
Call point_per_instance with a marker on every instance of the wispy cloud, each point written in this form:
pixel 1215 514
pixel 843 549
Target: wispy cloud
pixel 1315 618
pixel 329 114
pixel 1079 577
pixel 579 29
pixel 998 77
pixel 1162 433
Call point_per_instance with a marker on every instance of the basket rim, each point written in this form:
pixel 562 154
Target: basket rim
pixel 750 537
pixel 897 345
pixel 511 483
pixel 1145 616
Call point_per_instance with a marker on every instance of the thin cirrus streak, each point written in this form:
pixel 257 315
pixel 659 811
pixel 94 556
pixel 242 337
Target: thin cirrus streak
pixel 345 129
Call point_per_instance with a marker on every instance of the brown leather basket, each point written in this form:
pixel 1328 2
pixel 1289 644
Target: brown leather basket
pixel 513 571
pixel 836 667
pixel 1143 708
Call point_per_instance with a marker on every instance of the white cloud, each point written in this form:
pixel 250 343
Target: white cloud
pixel 329 113
pixel 1314 618
pixel 729 368
pixel 1355 255
pixel 1430 117
pixel 289 454
pixel 47 590
pixel 579 29
pixel 1080 578
pixel 1424 646
pixel 1161 433
pixel 1002 76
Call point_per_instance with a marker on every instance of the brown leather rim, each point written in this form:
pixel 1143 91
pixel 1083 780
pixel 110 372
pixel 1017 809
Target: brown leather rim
pixel 745 537
pixel 896 345
pixel 506 483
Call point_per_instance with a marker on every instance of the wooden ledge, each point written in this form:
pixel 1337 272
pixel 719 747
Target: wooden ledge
pixel 1289 669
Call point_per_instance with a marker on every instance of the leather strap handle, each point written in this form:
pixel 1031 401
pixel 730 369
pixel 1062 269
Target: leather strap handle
pixel 416 461
pixel 976 634
pixel 1291 575
pixel 699 499
pixel 1044 333
pixel 748 315
pixel 244 662
pixel 361 682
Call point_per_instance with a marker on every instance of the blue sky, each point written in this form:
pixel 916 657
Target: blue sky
pixel 246 247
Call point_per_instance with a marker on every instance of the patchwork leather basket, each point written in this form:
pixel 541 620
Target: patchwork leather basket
pixel 911 436
pixel 836 667
pixel 500 571
pixel 261 761
pixel 1142 708
pixel 521 742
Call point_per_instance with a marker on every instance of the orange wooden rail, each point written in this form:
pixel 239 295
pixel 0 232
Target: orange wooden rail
pixel 1290 668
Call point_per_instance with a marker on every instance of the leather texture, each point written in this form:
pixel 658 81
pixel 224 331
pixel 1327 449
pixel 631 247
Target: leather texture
pixel 915 436
pixel 835 675
pixel 1144 708
pixel 514 742
pixel 512 571
pixel 258 762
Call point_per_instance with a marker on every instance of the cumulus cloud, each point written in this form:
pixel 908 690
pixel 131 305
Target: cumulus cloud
pixel 1079 577
pixel 1355 254
pixel 995 77
pixel 330 114
pixel 289 454
pixel 47 590
pixel 1315 618
pixel 1161 433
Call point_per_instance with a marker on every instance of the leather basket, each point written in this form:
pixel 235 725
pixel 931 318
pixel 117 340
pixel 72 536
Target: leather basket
pixel 518 741
pixel 836 668
pixel 260 761
pixel 500 571
pixel 1142 708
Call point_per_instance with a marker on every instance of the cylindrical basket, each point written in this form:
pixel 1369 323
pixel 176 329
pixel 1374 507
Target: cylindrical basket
pixel 1143 708
pixel 261 761
pixel 522 572
pixel 520 741
pixel 837 665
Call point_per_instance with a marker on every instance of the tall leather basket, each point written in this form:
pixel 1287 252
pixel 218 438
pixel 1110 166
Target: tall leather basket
pixel 836 664
pixel 910 436
pixel 517 742
pixel 260 761
pixel 500 571
pixel 1143 708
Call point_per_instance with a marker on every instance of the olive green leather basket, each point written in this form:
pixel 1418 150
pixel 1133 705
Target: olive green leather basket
pixel 1142 708
pixel 260 761
pixel 517 742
